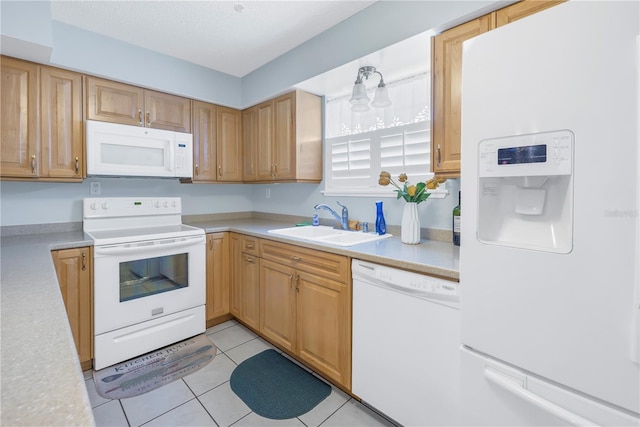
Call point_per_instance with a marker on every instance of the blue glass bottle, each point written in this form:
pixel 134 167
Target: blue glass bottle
pixel 381 225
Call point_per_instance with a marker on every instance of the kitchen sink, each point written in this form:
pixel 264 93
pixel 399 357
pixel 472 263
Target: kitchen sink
pixel 329 235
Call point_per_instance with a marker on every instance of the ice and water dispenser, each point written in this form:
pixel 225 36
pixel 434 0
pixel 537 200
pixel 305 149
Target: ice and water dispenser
pixel 525 194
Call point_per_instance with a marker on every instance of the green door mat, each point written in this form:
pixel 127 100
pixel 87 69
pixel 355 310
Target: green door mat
pixel 275 387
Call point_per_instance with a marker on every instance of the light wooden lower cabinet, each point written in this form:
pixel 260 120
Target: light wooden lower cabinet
pixel 73 268
pixel 217 277
pixel 305 307
pixel 245 280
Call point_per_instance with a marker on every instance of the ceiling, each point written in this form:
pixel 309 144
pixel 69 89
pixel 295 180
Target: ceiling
pixel 237 37
pixel 234 37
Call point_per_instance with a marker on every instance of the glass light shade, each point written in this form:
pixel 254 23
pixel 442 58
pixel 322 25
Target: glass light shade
pixel 359 95
pixel 381 98
pixel 360 108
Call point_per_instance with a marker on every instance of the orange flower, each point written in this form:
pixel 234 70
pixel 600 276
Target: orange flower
pixel 385 178
pixel 411 190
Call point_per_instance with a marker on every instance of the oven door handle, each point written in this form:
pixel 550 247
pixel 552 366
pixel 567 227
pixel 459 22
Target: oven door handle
pixel 149 245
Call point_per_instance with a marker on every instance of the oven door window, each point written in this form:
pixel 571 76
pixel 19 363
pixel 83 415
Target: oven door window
pixel 150 276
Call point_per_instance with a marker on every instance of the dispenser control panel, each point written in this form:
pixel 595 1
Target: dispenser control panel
pixel 536 154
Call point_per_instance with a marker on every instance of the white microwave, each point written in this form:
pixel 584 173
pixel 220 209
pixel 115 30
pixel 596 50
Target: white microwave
pixel 122 150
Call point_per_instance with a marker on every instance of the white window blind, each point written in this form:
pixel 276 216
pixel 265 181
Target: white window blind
pixel 357 160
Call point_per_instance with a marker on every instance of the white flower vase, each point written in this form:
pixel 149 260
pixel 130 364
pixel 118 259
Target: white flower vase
pixel 410 227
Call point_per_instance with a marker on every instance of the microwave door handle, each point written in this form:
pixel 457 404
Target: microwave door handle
pixel 143 247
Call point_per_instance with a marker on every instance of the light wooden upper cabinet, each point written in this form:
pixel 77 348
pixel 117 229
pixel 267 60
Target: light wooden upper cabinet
pixel 264 147
pixel 74 271
pixel 522 9
pixel 204 142
pixel 288 138
pixel 19 126
pixel 41 126
pixel 217 148
pixel 446 83
pixel 114 102
pixel 249 145
pixel 61 129
pixel 229 144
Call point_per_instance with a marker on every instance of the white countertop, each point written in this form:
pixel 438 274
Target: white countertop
pixel 41 378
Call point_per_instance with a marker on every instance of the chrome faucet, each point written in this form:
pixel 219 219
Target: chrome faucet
pixel 343 220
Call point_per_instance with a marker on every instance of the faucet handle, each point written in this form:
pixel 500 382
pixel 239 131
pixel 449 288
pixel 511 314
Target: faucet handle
pixel 342 206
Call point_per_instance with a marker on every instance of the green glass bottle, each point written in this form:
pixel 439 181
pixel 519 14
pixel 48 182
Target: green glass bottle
pixel 456 223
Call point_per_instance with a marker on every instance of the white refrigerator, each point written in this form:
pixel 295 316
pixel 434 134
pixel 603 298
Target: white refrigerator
pixel 549 258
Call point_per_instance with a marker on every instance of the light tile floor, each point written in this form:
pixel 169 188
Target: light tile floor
pixel 204 398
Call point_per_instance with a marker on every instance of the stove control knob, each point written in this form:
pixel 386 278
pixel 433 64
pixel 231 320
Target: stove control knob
pixel 156 204
pixel 94 206
pixel 105 205
pixel 173 204
pixel 165 204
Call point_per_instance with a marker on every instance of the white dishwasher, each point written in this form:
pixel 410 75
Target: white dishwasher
pixel 406 344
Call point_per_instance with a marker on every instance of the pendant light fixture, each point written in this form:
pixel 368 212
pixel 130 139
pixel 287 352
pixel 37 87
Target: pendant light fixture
pixel 360 100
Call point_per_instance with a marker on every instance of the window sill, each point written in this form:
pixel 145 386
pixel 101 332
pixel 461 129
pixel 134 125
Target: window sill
pixel 438 193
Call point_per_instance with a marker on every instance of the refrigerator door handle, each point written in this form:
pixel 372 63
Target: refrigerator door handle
pixel 517 387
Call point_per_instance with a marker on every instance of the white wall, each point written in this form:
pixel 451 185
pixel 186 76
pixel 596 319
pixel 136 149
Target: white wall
pixel 44 202
pixel 299 199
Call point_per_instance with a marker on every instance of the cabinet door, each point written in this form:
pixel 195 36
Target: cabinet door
pixel 324 326
pixel 114 102
pixel 73 268
pixel 446 74
pixel 204 142
pixel 235 275
pixel 19 123
pixel 251 290
pixel 522 9
pixel 264 126
pixel 217 275
pixel 249 145
pixel 229 145
pixel 284 151
pixel 277 304
pixel 62 154
pixel 165 111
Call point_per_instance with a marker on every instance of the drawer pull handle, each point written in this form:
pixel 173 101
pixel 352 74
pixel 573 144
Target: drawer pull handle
pixel 77 165
pixel 196 169
pixel 33 164
pixel 148 119
pixel 438 161
pixel 295 258
pixel 249 245
pixel 140 117
pixel 251 260
pixel 84 261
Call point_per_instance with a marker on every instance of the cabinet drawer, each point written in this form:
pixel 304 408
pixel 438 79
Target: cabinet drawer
pixel 249 245
pixel 323 264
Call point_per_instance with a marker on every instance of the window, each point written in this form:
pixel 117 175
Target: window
pixel 358 146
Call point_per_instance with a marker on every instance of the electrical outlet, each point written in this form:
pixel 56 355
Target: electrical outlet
pixel 95 188
pixel 268 193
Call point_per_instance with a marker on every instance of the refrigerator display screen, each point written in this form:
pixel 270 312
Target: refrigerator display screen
pixel 526 154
